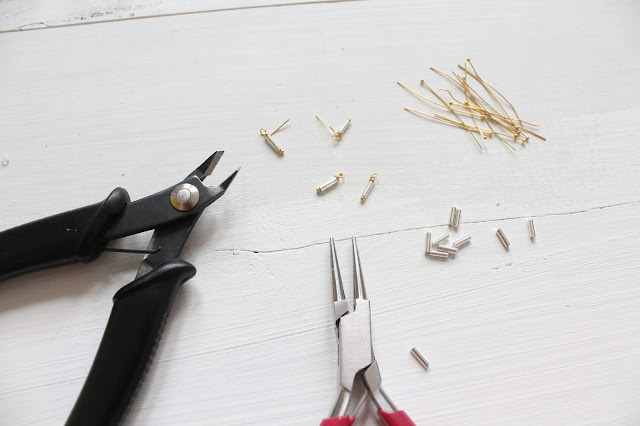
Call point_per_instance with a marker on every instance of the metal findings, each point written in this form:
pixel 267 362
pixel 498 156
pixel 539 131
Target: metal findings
pixel 437 242
pixel 343 129
pixel 439 254
pixel 270 141
pixel 532 230
pixel 418 356
pixel 436 253
pixel 336 135
pixel 428 249
pixel 452 216
pixel 450 250
pixel 462 241
pixel 367 190
pixel 330 183
pixel 502 238
pixel 456 222
pixel 488 116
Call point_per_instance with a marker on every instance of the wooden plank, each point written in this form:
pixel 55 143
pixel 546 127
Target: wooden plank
pixel 35 14
pixel 534 335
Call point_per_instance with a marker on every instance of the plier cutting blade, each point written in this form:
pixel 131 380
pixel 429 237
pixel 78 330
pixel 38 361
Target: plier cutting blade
pixel 140 308
pixel 356 358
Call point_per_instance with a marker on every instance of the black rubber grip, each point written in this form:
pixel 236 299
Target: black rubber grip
pixel 69 237
pixel 133 332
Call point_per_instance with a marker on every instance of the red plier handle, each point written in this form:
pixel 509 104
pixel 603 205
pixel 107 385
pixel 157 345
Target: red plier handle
pixel 393 418
pixel 338 421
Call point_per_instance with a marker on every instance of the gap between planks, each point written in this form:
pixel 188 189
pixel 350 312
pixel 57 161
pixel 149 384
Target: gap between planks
pixel 376 234
pixel 166 15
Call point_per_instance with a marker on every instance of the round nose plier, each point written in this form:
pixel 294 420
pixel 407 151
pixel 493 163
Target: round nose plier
pixel 356 358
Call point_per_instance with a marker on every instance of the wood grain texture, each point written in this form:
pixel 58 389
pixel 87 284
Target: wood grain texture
pixel 547 332
pixel 22 15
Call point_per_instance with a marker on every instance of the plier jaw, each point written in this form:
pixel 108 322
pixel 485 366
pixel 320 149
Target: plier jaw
pixel 140 309
pixel 356 358
pixel 164 207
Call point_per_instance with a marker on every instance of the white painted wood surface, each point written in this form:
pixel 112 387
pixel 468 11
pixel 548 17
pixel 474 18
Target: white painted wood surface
pixel 21 15
pixel 546 333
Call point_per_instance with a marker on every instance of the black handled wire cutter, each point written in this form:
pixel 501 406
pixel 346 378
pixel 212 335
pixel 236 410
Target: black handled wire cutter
pixel 140 308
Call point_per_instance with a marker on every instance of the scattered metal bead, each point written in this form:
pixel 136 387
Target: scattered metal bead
pixel 462 241
pixel 502 238
pixel 4 161
pixel 452 216
pixel 450 250
pixel 456 222
pixel 428 249
pixel 439 240
pixel 532 230
pixel 440 254
pixel 330 183
pixel 418 356
pixel 367 190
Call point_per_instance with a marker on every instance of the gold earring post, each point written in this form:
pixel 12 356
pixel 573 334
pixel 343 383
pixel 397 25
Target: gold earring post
pixel 330 183
pixel 267 136
pixel 368 188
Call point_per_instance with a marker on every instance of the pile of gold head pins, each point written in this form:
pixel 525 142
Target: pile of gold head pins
pixel 500 117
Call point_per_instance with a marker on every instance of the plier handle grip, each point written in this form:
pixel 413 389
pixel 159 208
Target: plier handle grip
pixel 140 309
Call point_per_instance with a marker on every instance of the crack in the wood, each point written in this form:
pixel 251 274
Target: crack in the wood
pixel 376 234
pixel 165 15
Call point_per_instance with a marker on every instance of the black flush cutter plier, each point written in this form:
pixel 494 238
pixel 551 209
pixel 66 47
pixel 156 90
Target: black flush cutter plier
pixel 355 350
pixel 140 308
